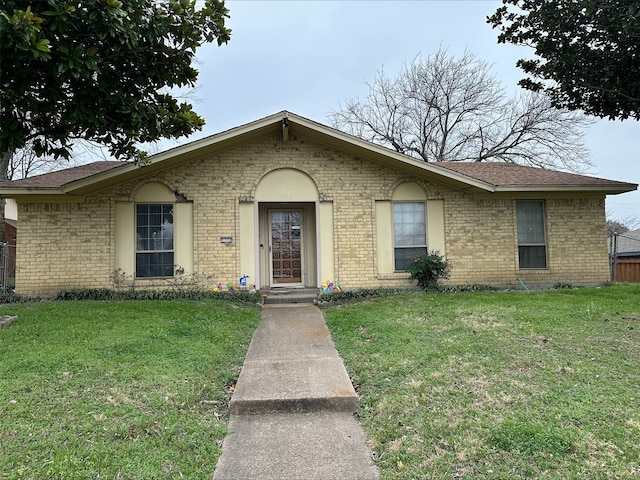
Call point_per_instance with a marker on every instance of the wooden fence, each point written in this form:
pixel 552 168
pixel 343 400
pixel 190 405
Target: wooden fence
pixel 624 250
pixel 627 269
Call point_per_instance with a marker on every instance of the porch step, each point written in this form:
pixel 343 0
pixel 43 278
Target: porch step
pixel 291 295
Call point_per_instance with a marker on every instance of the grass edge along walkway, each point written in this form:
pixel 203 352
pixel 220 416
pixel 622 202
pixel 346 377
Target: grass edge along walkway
pixel 118 389
pixel 497 384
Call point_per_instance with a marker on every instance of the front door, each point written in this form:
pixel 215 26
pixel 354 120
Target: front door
pixel 286 247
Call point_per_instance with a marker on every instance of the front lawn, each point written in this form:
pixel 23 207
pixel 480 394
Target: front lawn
pixel 116 390
pixel 498 385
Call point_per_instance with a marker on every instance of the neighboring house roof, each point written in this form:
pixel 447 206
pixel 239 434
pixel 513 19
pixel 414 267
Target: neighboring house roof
pixel 477 177
pixel 628 244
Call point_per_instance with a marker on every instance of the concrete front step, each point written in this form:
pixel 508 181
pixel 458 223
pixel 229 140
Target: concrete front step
pixel 290 295
pixel 292 366
pixel 296 386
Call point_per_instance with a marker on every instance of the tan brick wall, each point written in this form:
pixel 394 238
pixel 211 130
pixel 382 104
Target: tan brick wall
pixel 63 245
pixel 481 239
pixel 71 245
pixel 482 242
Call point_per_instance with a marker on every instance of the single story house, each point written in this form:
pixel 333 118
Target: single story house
pixel 287 202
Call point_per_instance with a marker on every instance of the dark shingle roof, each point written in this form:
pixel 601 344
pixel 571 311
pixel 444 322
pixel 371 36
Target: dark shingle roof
pixel 509 174
pixel 62 177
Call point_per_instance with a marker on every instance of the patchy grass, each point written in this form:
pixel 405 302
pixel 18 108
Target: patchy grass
pixel 134 390
pixel 498 385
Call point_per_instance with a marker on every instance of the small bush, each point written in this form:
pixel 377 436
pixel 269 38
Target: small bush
pixel 14 298
pixel 461 288
pixel 360 294
pixel 369 293
pixel 428 269
pixel 182 294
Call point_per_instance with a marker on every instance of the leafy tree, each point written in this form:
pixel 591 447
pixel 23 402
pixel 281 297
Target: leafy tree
pixel 99 70
pixel 441 108
pixel 588 52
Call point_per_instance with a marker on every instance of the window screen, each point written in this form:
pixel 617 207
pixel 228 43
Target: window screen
pixel 532 250
pixel 409 232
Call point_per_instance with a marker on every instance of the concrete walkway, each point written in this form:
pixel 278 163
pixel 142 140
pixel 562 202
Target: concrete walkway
pixel 292 408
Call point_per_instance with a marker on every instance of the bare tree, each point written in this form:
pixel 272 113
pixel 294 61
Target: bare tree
pixel 617 225
pixel 447 109
pixel 25 163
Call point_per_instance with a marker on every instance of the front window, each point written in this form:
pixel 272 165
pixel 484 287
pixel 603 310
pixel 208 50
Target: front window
pixel 532 249
pixel 154 244
pixel 409 232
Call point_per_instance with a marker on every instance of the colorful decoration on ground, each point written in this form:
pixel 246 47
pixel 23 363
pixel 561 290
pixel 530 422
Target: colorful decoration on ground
pixel 230 287
pixel 243 281
pixel 330 287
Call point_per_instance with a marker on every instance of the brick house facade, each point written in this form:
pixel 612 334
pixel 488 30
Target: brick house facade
pixel 289 202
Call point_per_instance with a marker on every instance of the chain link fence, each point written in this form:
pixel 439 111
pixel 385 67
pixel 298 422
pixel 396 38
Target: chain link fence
pixel 624 254
pixel 4 267
pixel 7 267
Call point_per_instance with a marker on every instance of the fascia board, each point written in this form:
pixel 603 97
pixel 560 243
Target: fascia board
pixel 258 128
pixel 608 189
pixel 12 192
pixel 176 155
pixel 377 153
pixel 37 196
pixel 239 134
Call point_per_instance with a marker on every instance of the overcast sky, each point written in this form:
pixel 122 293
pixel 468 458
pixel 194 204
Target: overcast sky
pixel 307 56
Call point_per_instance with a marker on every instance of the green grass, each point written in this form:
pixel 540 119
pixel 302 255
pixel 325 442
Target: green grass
pixel 498 385
pixel 134 390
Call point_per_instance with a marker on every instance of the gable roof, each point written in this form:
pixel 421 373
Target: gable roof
pixel 474 177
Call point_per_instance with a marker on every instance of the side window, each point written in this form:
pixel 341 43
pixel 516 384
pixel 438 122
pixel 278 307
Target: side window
pixel 532 249
pixel 154 240
pixel 409 232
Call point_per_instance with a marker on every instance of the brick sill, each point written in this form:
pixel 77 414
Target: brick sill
pixel 394 276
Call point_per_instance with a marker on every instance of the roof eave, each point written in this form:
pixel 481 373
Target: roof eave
pixel 169 158
pixel 38 194
pixel 614 189
pixel 289 123
pixel 380 154
pixel 273 124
